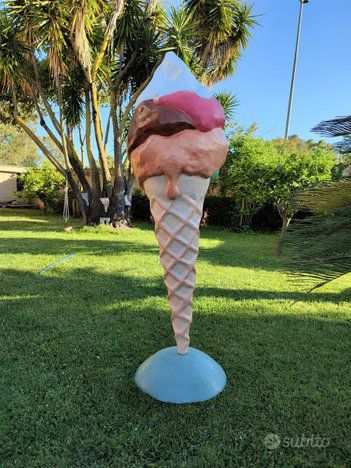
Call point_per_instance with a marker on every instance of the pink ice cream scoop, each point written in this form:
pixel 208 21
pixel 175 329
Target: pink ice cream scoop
pixel 206 114
pixel 190 152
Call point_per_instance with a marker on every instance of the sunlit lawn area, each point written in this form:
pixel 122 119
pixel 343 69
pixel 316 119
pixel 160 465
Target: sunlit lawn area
pixel 72 337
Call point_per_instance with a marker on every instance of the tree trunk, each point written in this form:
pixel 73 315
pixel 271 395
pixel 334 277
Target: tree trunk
pixel 117 205
pixel 286 213
pixel 246 213
pixel 96 208
pixel 242 208
pixel 82 204
pixel 107 186
pixel 117 201
pixel 286 219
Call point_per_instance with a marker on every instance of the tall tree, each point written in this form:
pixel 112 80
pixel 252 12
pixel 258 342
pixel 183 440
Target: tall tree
pixel 63 60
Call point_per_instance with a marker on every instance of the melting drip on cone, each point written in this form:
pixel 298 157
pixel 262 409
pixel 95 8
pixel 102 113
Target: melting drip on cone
pixel 189 152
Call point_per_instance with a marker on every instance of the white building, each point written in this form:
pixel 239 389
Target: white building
pixel 9 182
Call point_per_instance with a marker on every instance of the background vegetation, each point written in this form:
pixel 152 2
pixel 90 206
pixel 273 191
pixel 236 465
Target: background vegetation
pixel 259 172
pixel 44 183
pixel 16 148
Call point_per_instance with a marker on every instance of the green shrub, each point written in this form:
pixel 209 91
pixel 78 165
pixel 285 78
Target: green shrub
pixel 45 183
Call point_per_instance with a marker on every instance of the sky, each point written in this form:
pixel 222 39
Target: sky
pixel 323 83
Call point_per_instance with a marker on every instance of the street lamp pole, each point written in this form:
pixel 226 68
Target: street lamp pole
pixel 293 76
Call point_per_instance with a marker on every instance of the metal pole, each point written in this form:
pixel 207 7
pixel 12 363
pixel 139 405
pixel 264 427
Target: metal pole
pixel 292 85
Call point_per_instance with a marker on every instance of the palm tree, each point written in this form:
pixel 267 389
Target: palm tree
pixel 62 61
pixel 319 247
pixel 225 25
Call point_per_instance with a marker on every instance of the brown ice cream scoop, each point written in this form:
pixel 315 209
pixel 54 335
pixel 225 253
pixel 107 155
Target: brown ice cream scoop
pixel 153 119
pixel 190 152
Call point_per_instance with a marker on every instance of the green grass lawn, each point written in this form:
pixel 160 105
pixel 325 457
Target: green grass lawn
pixel 72 338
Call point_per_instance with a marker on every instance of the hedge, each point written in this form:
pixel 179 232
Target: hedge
pixel 218 211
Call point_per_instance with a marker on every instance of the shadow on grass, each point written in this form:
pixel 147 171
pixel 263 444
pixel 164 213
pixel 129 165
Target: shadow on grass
pixel 230 252
pixel 70 344
pixel 31 220
pixel 232 249
pixel 54 246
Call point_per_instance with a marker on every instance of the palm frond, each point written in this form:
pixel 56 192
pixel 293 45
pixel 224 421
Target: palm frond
pixel 181 31
pixel 84 16
pixel 50 20
pixel 325 198
pixel 128 23
pixel 344 146
pixel 318 249
pixel 156 13
pixel 229 103
pixel 340 126
pixel 227 52
pixel 139 43
pixel 73 97
pixel 14 66
pixel 223 30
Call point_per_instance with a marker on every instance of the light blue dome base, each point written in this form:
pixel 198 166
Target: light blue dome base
pixel 180 378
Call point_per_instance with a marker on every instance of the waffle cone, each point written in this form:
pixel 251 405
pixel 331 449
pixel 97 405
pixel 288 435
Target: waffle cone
pixel 177 230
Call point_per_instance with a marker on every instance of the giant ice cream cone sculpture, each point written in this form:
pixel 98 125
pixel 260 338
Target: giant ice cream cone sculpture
pixel 184 161
pixel 176 142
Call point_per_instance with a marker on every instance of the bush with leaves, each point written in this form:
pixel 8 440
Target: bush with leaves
pixel 259 171
pixel 246 174
pixel 45 183
pixel 297 168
